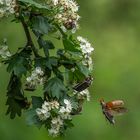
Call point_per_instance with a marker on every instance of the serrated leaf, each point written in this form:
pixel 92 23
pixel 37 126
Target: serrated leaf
pixel 37 102
pixel 67 63
pixel 15 101
pixel 75 76
pixel 83 69
pixel 17 64
pixel 68 123
pixel 46 45
pixel 31 118
pixel 41 25
pixel 14 108
pixel 53 61
pixel 69 77
pixel 35 4
pixel 70 45
pixel 55 88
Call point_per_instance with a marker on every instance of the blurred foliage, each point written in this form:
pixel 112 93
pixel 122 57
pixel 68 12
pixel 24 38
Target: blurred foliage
pixel 113 26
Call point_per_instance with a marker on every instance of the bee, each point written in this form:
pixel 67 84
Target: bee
pixel 113 108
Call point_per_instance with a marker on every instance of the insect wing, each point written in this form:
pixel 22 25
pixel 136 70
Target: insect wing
pixel 106 113
pixel 114 104
pixel 109 117
pixel 117 111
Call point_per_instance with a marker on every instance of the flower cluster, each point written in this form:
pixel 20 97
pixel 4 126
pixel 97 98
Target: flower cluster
pixel 83 95
pixel 4 51
pixel 66 14
pixel 65 111
pixel 56 124
pixel 35 79
pixel 62 113
pixel 86 49
pixel 65 90
pixel 44 112
pixel 7 7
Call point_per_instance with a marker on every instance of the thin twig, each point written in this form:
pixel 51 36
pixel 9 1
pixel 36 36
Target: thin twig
pixel 28 36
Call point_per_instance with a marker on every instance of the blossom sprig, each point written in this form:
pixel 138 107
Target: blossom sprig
pixel 62 113
pixel 7 7
pixel 87 50
pixel 63 77
pixel 4 50
pixel 66 14
pixel 35 79
pixel 56 125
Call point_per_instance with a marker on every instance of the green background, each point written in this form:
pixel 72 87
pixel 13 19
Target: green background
pixel 113 27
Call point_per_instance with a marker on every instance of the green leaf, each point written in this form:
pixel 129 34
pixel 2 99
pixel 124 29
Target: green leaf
pixel 15 101
pixel 43 63
pixel 83 69
pixel 70 45
pixel 69 76
pixel 32 119
pixel 41 25
pixel 35 4
pixel 46 45
pixel 68 123
pixel 19 63
pixel 51 62
pixel 37 102
pixel 48 63
pixel 78 76
pixel 40 62
pixel 67 63
pixel 55 88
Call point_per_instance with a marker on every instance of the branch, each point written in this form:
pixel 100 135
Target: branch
pixel 28 36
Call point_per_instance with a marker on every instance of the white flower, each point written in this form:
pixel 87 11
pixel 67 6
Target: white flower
pixel 7 7
pixel 66 116
pixel 36 78
pixel 1 2
pixel 2 12
pixel 81 39
pixel 29 79
pixel 63 110
pixel 4 52
pixel 42 114
pixel 39 71
pixel 54 104
pixel 64 113
pixel 68 105
pixel 55 2
pixel 46 106
pixel 73 5
pixel 84 94
pixel 75 92
pixel 53 132
pixel 66 14
pixel 85 45
pixel 57 122
pixel 86 49
pixel 88 62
